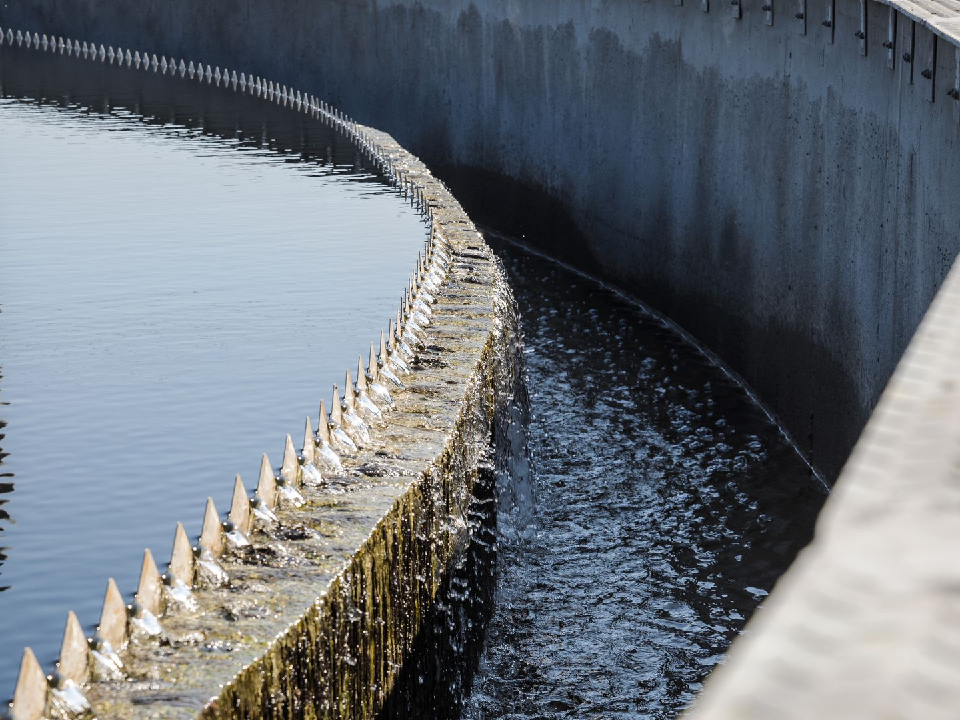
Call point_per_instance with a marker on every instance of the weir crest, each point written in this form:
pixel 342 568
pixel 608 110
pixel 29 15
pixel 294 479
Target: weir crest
pixel 308 597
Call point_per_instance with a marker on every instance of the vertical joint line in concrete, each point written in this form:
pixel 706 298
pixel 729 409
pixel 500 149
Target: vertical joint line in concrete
pixel 862 32
pixel 909 54
pixel 954 92
pixel 931 69
pixel 891 42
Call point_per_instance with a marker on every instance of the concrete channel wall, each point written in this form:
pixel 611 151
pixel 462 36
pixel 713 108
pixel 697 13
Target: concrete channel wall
pixel 783 190
pixel 780 179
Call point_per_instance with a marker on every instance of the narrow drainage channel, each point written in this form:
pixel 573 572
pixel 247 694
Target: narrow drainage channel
pixel 667 506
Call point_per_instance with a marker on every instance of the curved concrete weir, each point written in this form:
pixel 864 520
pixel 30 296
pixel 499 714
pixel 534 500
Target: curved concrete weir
pixel 307 599
pixel 779 178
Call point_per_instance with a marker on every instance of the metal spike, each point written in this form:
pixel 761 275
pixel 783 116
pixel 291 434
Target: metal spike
pixel 240 508
pixel 211 536
pixel 309 450
pixel 349 396
pixel 136 59
pixel 149 590
pixel 373 370
pixel 361 374
pixel 243 81
pixel 290 466
pixel 323 426
pixel 191 70
pixel 113 618
pixel 74 662
pixel 45 42
pixel 216 75
pixel 20 38
pixel 383 344
pixel 336 413
pixel 128 58
pixel 233 79
pixel 182 69
pixel 208 75
pixel 103 52
pixel 267 484
pixel 30 695
pixel 182 563
pixel 85 48
pixel 163 64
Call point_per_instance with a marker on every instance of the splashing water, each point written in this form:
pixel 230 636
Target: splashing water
pixel 667 506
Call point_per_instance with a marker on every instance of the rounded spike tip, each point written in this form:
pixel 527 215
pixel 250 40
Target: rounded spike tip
pixel 211 536
pixel 267 484
pixel 240 508
pixel 182 563
pixel 150 590
pixel 74 662
pixel 290 466
pixel 30 694
pixel 113 618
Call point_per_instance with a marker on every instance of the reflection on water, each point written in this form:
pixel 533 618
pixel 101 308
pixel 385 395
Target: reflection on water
pixel 667 506
pixel 184 272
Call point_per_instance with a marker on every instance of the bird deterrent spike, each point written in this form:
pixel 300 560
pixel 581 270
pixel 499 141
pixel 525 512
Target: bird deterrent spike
pixel 372 368
pixel 267 484
pixel 30 694
pixel 240 508
pixel 336 413
pixel 383 344
pixel 113 618
pixel 309 450
pixel 149 590
pixel 361 375
pixel 211 535
pixel 74 662
pixel 349 396
pixel 182 566
pixel 290 466
pixel 323 426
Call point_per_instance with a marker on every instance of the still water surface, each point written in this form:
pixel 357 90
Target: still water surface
pixel 667 506
pixel 182 276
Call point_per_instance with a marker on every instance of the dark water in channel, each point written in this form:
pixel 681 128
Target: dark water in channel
pixel 667 506
pixel 184 272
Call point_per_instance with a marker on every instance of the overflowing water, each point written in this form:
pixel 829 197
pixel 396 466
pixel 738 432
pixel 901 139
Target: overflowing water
pixel 184 272
pixel 667 506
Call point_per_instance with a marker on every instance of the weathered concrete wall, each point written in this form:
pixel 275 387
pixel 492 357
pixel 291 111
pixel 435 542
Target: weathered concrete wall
pixel 788 201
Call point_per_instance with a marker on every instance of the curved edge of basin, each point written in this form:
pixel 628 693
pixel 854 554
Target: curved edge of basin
pixel 309 597
pixel 865 623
